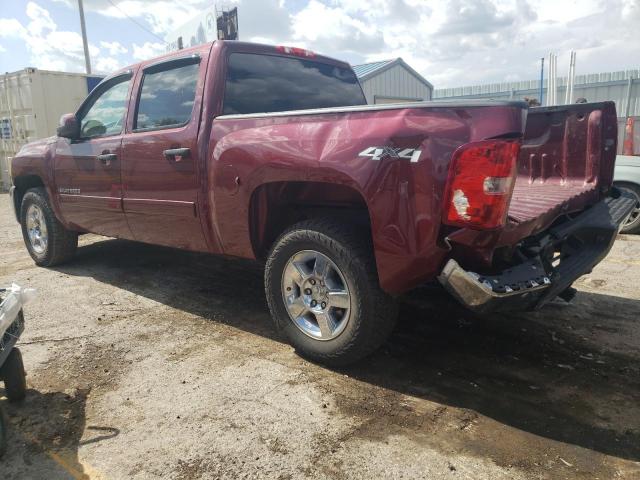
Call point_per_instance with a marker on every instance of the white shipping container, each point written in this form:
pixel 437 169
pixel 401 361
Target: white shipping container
pixel 31 103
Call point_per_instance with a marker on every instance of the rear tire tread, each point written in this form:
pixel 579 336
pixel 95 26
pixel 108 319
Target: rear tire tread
pixel 353 252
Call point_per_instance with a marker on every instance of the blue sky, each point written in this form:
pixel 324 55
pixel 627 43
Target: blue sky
pixel 451 42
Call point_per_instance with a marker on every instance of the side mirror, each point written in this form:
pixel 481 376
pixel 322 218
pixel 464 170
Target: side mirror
pixel 69 127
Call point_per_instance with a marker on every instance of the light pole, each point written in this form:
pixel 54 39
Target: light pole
pixel 85 44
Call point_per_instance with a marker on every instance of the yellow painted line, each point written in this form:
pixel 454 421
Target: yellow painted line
pixel 70 469
pixel 87 472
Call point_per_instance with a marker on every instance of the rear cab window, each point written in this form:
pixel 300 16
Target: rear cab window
pixel 167 95
pixel 262 83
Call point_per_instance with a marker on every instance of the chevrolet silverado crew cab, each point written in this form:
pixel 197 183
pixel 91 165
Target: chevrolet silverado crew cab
pixel 272 153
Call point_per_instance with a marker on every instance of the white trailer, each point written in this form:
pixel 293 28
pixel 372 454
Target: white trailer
pixel 31 103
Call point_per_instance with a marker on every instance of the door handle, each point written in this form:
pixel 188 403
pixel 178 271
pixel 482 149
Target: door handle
pixel 107 158
pixel 177 154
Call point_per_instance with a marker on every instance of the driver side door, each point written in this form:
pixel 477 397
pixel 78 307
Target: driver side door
pixel 88 169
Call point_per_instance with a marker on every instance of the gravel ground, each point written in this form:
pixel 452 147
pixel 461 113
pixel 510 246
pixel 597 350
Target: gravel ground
pixel 147 362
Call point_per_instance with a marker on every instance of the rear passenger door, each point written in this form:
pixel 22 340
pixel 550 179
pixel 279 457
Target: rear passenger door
pixel 160 166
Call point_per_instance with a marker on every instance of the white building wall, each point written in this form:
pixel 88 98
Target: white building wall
pixel 594 87
pixel 395 84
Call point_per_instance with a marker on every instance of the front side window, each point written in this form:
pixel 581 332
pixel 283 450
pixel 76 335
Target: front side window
pixel 106 114
pixel 167 97
pixel 271 83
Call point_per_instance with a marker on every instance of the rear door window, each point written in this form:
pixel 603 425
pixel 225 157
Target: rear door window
pixel 272 83
pixel 167 96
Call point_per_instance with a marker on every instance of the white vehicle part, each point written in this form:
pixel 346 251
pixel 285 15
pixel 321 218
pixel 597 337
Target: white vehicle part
pixel 16 297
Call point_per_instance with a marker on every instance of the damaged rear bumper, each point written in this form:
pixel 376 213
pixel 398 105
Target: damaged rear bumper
pixel 581 242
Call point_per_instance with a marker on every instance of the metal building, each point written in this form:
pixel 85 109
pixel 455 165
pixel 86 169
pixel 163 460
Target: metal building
pixel 622 87
pixel 392 81
pixel 31 103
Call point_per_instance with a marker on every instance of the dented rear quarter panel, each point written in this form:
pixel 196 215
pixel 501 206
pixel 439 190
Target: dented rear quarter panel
pixel 403 198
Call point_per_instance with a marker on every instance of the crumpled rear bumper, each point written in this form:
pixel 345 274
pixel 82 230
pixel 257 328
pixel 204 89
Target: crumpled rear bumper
pixel 583 242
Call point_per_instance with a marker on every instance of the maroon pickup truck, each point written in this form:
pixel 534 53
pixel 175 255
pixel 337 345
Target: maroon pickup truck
pixel 271 153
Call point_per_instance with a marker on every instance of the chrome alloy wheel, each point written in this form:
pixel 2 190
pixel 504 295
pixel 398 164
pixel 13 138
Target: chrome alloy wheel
pixel 316 295
pixel 635 213
pixel 37 229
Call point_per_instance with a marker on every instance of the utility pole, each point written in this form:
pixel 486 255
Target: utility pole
pixel 85 44
pixel 571 79
pixel 541 79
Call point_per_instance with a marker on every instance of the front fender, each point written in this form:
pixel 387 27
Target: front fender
pixel 35 160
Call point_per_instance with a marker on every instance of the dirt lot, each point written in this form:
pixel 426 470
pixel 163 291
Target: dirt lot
pixel 145 362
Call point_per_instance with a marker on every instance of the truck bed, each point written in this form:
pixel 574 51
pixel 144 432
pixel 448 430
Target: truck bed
pixel 531 201
pixel 568 152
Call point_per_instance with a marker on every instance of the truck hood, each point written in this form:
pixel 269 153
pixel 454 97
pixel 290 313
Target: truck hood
pixel 37 147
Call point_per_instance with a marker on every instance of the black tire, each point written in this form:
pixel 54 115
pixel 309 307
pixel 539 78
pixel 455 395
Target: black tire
pixel 14 377
pixel 3 433
pixel 373 312
pixel 633 224
pixel 61 243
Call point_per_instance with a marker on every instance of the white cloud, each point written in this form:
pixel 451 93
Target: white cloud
pixel 2 49
pixel 107 65
pixel 333 29
pixel 162 16
pixel 462 42
pixel 451 42
pixel 148 50
pixel 114 48
pixel 10 27
pixel 40 19
pixel 48 47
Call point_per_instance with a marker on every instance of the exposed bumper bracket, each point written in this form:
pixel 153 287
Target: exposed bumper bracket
pixel 583 242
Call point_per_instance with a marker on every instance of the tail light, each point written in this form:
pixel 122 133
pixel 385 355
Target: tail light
pixel 297 51
pixel 480 184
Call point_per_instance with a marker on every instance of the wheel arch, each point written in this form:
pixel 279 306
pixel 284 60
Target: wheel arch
pixel 22 184
pixel 627 182
pixel 275 206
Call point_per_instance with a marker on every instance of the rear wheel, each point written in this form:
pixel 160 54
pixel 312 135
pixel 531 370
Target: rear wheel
pixel 47 241
pixel 632 224
pixel 323 293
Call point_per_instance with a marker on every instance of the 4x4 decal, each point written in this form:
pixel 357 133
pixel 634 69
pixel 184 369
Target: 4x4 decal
pixel 378 153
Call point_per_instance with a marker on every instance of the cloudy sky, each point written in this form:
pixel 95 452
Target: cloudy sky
pixel 451 42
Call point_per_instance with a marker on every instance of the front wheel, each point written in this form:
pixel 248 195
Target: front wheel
pixel 47 241
pixel 14 377
pixel 323 293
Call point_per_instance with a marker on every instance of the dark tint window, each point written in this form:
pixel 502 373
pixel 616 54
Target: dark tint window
pixel 167 96
pixel 268 83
